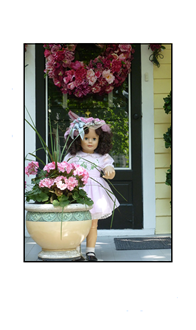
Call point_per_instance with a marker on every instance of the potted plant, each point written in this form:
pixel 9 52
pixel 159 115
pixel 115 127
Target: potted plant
pixel 59 220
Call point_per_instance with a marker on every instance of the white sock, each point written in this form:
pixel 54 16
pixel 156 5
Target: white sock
pixel 90 249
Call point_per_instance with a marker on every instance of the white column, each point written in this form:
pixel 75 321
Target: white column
pixel 30 139
pixel 148 158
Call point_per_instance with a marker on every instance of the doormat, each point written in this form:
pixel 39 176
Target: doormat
pixel 142 243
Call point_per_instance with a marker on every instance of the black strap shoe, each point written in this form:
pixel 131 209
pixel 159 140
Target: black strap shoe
pixel 91 257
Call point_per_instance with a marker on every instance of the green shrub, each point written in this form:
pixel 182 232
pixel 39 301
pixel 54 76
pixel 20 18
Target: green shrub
pixel 167 136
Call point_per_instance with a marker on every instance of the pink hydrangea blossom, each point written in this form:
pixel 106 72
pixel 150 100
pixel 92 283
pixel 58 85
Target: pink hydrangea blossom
pixel 85 178
pixel 64 166
pixel 61 182
pixel 31 168
pixel 80 171
pixel 69 167
pixel 48 183
pixel 72 183
pixel 50 166
pixel 61 185
pixel 59 178
pixel 61 167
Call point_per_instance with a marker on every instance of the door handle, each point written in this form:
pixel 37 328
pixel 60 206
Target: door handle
pixel 136 116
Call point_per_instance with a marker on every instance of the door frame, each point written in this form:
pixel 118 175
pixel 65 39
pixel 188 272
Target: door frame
pixel 148 161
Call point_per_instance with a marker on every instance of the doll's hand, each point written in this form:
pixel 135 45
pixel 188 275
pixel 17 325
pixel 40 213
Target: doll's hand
pixel 109 172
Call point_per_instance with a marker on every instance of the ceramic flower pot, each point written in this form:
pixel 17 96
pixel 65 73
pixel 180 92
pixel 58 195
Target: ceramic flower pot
pixel 58 233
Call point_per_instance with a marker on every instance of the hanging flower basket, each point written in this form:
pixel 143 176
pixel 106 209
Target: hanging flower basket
pixel 156 53
pixel 98 76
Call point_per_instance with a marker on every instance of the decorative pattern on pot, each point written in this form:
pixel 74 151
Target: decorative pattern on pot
pixel 58 217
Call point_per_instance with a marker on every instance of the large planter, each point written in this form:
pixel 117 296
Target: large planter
pixel 58 233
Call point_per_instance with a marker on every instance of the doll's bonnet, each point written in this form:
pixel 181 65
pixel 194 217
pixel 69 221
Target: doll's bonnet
pixel 78 125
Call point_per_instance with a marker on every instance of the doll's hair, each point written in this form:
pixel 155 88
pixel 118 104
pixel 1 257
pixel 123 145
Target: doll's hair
pixel 104 145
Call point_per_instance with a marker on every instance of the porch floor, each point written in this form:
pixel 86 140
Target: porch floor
pixel 106 251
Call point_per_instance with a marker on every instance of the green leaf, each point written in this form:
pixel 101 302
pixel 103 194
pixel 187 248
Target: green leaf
pixel 42 197
pixel 82 193
pixel 75 195
pixel 88 201
pixel 63 198
pixel 37 158
pixel 51 135
pixel 55 202
pixel 64 203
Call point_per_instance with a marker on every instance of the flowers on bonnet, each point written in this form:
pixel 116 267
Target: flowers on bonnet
pixel 79 124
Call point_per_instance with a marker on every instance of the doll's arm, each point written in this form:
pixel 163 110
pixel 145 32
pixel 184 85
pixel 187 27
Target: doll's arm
pixel 109 172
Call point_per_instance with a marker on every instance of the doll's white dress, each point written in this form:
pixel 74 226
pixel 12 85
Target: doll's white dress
pixel 94 163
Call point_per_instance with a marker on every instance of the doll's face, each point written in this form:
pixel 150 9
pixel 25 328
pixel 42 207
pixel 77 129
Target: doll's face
pixel 90 141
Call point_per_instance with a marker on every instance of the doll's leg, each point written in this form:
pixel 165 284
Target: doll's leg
pixel 91 241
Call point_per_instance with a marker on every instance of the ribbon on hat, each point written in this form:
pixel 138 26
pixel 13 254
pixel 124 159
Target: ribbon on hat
pixel 79 123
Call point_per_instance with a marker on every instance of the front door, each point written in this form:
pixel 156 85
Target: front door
pixel 122 110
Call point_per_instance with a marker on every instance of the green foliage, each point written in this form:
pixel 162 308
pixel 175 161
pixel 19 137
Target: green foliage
pixel 79 196
pixel 167 138
pixel 168 177
pixel 37 195
pixel 167 103
pixel 168 135
pixel 61 201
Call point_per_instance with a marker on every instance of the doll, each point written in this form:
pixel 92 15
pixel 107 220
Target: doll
pixel 90 150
